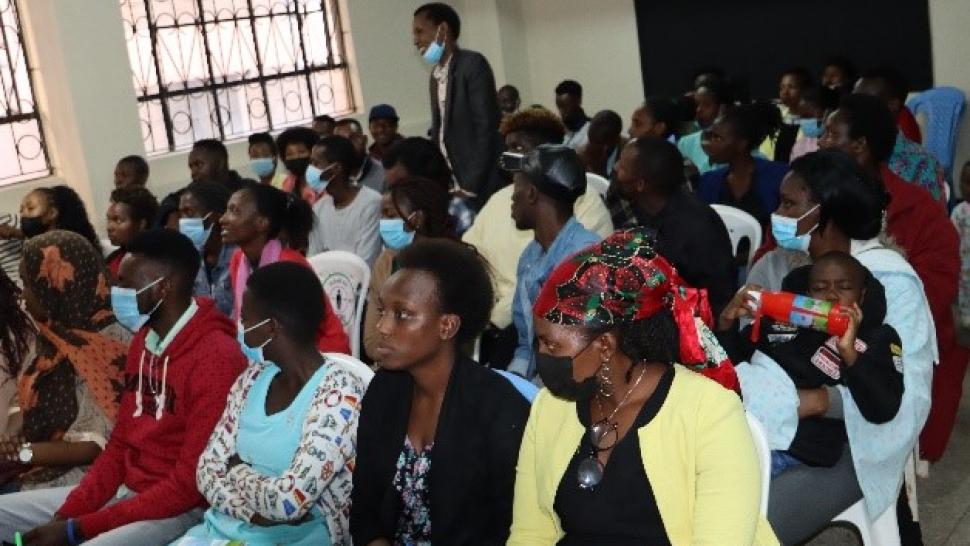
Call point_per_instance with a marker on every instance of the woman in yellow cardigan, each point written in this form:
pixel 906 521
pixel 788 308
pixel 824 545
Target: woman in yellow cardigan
pixel 625 447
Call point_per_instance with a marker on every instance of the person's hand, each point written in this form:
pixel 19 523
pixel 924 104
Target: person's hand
pixel 812 402
pixel 741 305
pixel 846 343
pixel 7 231
pixel 10 448
pixel 52 534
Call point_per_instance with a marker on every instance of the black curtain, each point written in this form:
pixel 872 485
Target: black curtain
pixel 755 40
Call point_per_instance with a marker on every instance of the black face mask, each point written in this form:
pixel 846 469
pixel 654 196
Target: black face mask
pixel 32 226
pixel 297 166
pixel 556 373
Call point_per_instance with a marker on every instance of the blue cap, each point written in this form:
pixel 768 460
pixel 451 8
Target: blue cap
pixel 383 111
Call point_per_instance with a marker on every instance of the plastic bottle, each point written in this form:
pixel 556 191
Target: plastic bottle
pixel 798 311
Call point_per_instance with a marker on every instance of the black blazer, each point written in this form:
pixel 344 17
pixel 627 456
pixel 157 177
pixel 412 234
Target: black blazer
pixel 473 460
pixel 471 123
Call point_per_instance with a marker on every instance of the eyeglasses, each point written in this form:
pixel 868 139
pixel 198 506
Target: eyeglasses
pixel 602 436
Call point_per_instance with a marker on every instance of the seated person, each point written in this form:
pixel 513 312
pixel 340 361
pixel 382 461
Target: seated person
pixel 815 105
pixel 46 209
pixel 569 102
pixel 264 159
pixel 141 489
pixel 368 171
pixel 70 388
pixel 209 161
pixel 497 238
pixel 382 123
pixel 131 170
pixel 131 212
pixel 294 145
pixel 508 100
pixel 277 469
pixel 17 332
pixel 711 98
pixel 687 231
pixel 746 182
pixel 867 358
pixel 323 125
pixel 201 206
pixel 439 433
pixel 602 150
pixel 625 446
pixel 838 74
pixel 256 220
pixel 544 193
pixel 413 209
pixel 891 86
pixel 347 214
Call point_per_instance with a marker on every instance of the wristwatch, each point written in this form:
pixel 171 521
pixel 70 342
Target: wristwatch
pixel 26 453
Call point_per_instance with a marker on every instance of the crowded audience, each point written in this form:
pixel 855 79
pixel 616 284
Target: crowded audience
pixel 544 359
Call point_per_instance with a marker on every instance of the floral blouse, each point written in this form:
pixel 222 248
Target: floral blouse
pixel 411 481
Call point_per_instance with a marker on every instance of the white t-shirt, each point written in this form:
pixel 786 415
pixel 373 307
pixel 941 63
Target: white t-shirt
pixel 353 228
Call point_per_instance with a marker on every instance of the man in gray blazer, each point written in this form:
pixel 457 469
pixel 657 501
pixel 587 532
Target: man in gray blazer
pixel 464 108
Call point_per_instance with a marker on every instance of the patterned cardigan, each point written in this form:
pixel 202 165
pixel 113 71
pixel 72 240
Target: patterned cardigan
pixel 321 471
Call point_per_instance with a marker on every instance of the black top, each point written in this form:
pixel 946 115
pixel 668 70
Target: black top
pixel 622 508
pixel 476 447
pixel 691 235
pixel 750 202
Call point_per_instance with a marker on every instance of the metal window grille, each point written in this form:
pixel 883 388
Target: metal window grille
pixel 227 68
pixel 23 153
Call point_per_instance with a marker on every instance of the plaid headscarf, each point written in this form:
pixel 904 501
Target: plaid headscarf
pixel 622 280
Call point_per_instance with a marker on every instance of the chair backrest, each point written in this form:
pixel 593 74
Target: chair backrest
pixel 740 225
pixel 345 278
pixel 764 458
pixel 106 247
pixel 355 365
pixel 597 183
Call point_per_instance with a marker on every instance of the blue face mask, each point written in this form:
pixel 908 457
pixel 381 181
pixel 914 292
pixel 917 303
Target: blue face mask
pixel 124 303
pixel 253 354
pixel 435 50
pixel 314 177
pixel 262 166
pixel 811 127
pixel 785 231
pixel 194 229
pixel 393 233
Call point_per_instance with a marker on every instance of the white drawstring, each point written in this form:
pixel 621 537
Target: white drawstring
pixel 160 399
pixel 138 404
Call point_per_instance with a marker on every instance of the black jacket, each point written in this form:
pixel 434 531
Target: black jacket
pixel 471 123
pixel 473 460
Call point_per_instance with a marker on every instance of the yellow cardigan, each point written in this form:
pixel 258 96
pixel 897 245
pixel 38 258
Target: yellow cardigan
pixel 697 453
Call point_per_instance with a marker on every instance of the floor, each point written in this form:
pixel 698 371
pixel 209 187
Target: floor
pixel 944 497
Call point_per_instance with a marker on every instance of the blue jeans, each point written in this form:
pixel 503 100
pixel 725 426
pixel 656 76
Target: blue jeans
pixel 782 461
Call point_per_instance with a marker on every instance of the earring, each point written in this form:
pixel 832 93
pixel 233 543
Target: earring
pixel 603 379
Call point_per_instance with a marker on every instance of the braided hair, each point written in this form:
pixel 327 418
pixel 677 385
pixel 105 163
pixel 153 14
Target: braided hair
pixel 15 327
pixel 288 214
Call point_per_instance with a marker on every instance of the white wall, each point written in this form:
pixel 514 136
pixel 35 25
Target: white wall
pixel 90 118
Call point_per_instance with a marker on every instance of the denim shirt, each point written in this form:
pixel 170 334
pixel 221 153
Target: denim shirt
pixel 533 270
pixel 214 282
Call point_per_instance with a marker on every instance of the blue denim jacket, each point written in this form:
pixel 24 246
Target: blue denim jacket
pixel 215 283
pixel 533 270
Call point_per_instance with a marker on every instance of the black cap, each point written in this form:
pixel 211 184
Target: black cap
pixel 556 171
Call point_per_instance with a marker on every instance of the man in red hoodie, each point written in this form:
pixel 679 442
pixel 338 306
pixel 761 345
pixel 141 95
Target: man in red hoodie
pixel 181 363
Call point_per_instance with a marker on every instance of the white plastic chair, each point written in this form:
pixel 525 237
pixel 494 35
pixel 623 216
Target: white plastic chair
pixel 884 531
pixel 106 247
pixel 597 183
pixel 764 458
pixel 345 278
pixel 354 364
pixel 740 225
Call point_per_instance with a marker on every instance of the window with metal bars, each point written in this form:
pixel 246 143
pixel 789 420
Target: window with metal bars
pixel 23 153
pixel 227 68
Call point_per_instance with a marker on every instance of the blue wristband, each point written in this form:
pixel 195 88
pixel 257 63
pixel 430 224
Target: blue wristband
pixel 71 536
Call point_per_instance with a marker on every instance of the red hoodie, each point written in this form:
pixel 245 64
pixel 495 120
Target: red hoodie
pixel 331 336
pixel 155 457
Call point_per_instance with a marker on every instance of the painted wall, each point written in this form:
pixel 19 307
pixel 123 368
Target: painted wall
pixel 88 105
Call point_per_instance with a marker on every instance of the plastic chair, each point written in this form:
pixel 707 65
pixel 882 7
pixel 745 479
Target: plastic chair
pixel 764 458
pixel 107 248
pixel 884 531
pixel 353 363
pixel 597 183
pixel 345 278
pixel 740 225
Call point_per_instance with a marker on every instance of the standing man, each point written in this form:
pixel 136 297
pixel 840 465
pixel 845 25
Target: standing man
pixel 569 101
pixel 464 109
